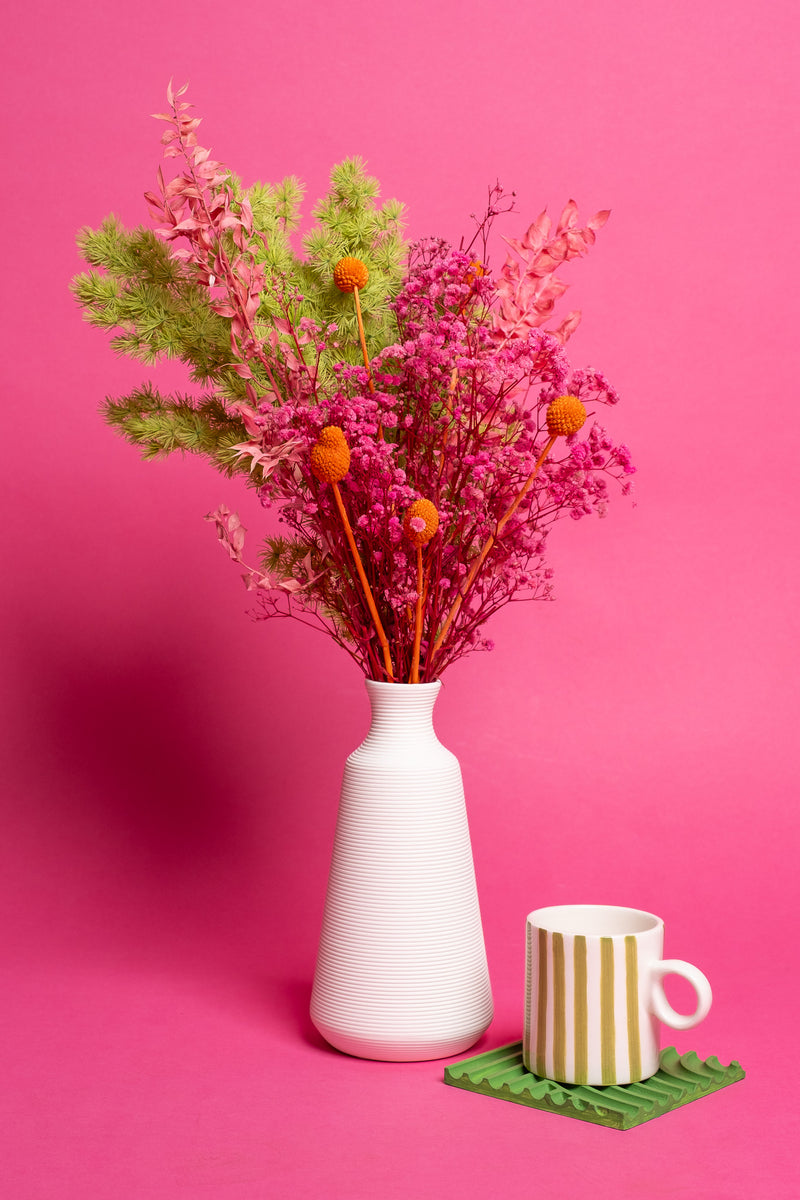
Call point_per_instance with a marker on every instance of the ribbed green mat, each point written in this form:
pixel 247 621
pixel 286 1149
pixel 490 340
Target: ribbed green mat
pixel 680 1079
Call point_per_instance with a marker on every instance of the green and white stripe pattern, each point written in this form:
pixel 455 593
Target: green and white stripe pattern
pixel 587 1017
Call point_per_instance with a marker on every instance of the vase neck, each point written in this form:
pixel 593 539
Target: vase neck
pixel 402 710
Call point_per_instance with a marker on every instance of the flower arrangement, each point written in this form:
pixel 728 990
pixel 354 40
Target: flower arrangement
pixel 411 414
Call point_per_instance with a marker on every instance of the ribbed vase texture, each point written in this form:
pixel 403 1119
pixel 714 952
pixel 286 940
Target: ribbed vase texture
pixel 401 971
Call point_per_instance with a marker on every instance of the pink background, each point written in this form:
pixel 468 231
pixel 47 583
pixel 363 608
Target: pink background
pixel 171 769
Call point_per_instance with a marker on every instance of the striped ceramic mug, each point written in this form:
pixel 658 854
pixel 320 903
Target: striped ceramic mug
pixel 594 997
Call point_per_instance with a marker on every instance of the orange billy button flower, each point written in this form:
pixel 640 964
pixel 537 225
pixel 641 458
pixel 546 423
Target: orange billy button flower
pixel 330 455
pixel 349 274
pixel 420 522
pixel 565 415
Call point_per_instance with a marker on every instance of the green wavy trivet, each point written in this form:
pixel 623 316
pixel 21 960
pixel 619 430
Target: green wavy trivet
pixel 680 1079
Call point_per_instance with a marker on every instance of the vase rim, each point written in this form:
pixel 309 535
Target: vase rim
pixel 379 684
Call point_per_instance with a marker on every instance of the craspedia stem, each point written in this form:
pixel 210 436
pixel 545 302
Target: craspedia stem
pixel 512 508
pixel 362 338
pixel 565 416
pixel 362 575
pixel 487 548
pixel 330 462
pixel 419 525
pixel 351 275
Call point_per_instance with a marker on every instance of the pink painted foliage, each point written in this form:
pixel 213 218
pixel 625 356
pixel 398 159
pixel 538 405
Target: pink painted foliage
pixel 529 289
pixel 198 206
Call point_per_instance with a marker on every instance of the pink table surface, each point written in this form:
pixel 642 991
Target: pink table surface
pixel 170 770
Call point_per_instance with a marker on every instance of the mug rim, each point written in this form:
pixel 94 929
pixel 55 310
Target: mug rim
pixel 640 921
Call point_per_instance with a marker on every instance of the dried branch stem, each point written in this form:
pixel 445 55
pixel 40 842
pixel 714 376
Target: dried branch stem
pixel 414 677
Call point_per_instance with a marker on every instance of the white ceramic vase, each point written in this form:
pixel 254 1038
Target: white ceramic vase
pixel 401 971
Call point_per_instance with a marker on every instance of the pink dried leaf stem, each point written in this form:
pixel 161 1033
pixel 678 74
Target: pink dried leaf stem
pixel 528 291
pixel 231 534
pixel 196 205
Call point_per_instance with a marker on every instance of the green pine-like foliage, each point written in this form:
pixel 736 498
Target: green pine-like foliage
pixel 155 309
pixel 349 222
pixel 149 299
pixel 160 425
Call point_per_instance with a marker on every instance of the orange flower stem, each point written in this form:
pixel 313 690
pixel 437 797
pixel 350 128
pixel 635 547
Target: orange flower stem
pixel 351 541
pixel 512 508
pixel 365 356
pixel 414 677
pixel 489 543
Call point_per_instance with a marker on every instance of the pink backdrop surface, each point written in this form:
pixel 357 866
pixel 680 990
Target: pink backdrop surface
pixel 171 769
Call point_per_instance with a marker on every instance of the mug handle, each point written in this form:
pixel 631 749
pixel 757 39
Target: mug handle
pixel 661 1006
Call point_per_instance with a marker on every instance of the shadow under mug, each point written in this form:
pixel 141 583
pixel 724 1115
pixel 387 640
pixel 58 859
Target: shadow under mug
pixel 594 996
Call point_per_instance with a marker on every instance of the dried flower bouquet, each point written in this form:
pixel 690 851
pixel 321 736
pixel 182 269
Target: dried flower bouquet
pixel 406 409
